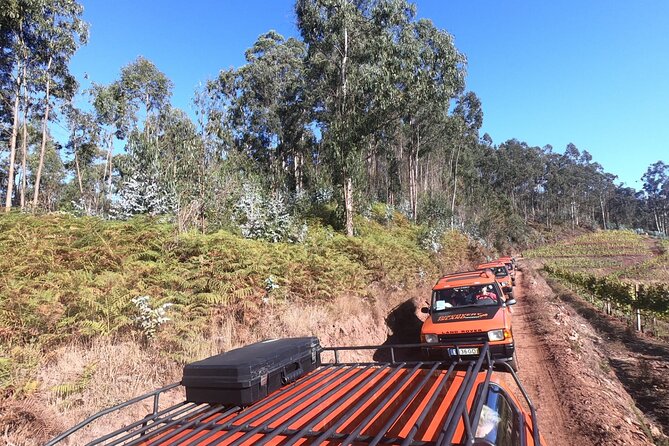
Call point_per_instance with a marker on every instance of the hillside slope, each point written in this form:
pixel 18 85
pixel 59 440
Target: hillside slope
pixel 76 338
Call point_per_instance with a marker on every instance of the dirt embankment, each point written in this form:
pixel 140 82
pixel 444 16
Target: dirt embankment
pixel 639 362
pixel 583 363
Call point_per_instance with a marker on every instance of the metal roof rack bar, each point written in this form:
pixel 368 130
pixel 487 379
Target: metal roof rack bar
pixel 185 407
pixel 335 437
pixel 232 429
pixel 353 435
pixel 155 394
pixel 460 407
pixel 175 433
pixel 402 407
pixel 414 429
pixel 308 427
pixel 164 433
pixel 202 427
pixel 165 427
pixel 533 413
pixel 450 415
pixel 193 410
pixel 283 426
pixel 345 417
pixel 209 425
pixel 485 388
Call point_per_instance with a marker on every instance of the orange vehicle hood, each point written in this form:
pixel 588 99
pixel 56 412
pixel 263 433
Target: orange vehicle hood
pixel 465 320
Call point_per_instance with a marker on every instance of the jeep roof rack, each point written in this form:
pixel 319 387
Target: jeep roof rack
pixel 349 390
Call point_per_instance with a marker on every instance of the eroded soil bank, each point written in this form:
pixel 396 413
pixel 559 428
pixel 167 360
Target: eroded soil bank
pixel 583 359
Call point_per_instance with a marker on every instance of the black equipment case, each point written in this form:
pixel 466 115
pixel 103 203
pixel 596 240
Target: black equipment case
pixel 245 375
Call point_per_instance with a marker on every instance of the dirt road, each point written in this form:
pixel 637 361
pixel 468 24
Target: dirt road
pixel 536 376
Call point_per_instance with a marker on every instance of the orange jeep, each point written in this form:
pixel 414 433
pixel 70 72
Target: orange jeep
pixel 510 264
pixel 471 309
pixel 477 402
pixel 501 274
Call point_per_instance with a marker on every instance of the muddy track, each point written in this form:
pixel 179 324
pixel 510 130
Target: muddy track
pixel 537 376
pixel 580 354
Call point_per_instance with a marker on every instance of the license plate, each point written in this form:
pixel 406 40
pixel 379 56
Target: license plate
pixel 463 351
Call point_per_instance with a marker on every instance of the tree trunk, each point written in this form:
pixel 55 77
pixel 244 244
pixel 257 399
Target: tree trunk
pixel 455 187
pixel 38 178
pixel 348 200
pixel 12 148
pixel 24 153
pixel 348 181
pixel 412 184
pixel 76 165
pixel 110 143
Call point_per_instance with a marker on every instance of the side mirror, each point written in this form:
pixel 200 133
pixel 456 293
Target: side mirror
pixel 425 310
pixel 511 302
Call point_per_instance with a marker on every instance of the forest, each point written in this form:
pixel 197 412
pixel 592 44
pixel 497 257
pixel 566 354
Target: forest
pixel 366 111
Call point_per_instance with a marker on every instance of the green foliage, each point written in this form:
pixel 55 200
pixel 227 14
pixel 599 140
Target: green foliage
pixel 79 385
pixel 652 298
pixel 67 278
pixel 598 244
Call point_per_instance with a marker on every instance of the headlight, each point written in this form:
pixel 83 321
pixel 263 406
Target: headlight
pixel 496 335
pixel 431 338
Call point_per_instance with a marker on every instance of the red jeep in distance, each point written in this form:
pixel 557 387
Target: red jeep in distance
pixel 501 274
pixel 510 264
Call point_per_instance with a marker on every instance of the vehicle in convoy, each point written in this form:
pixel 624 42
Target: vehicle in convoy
pixel 470 309
pixel 510 264
pixel 476 401
pixel 501 274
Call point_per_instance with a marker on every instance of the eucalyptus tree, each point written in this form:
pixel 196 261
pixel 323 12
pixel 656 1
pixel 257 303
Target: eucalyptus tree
pixel 431 74
pixel 17 42
pixel 466 122
pixel 143 84
pixel 267 110
pixel 83 145
pixel 128 109
pixel 114 118
pixel 656 188
pixel 59 31
pixel 351 56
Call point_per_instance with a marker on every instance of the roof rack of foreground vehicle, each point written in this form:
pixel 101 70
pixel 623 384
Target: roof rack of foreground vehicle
pixel 350 396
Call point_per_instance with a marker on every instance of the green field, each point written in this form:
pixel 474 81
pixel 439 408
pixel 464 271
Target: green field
pixel 622 254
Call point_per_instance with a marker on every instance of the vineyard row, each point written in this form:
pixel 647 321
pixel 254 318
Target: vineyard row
pixel 653 298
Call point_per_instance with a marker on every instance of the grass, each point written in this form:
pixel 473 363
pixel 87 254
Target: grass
pixel 616 253
pixel 69 337
pixel 614 243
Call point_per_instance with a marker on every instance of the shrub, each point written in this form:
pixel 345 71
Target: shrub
pixel 266 218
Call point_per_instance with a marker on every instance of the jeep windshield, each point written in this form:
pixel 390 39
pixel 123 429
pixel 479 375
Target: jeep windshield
pixel 466 296
pixel 500 271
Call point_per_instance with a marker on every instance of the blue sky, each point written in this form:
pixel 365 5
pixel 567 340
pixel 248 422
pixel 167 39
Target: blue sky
pixel 595 73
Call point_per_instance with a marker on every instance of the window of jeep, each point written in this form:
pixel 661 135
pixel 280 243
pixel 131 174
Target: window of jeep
pixel 498 423
pixel 466 296
pixel 500 271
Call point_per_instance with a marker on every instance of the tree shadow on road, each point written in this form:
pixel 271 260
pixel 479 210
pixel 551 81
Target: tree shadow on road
pixel 404 327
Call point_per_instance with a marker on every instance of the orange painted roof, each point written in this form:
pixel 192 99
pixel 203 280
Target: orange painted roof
pixel 464 279
pixel 494 264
